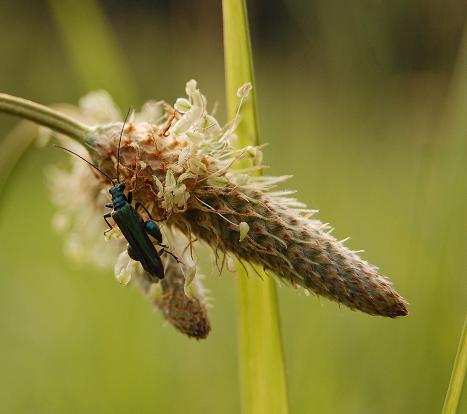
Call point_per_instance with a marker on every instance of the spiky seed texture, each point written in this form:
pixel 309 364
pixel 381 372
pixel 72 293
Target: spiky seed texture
pixel 182 304
pixel 181 164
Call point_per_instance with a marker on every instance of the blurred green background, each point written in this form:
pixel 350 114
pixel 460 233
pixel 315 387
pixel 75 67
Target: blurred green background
pixel 364 102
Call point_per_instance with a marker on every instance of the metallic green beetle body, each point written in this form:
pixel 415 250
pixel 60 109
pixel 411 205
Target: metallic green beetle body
pixel 136 231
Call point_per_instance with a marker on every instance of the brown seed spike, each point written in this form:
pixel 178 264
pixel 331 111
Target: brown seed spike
pixel 187 314
pixel 342 275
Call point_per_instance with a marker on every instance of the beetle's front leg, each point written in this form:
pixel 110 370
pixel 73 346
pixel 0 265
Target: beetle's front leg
pixel 129 197
pixel 106 216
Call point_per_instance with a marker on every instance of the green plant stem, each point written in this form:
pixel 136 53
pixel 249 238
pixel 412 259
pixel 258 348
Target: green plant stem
pixel 238 63
pixel 458 374
pixel 44 116
pixel 262 373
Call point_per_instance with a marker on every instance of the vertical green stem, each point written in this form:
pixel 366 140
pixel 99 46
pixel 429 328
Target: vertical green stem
pixel 238 62
pixel 262 372
pixel 457 377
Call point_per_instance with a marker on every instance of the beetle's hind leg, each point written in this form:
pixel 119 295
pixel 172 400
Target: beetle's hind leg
pixel 162 251
pixel 153 230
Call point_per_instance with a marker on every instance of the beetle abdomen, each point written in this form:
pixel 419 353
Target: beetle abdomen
pixel 141 247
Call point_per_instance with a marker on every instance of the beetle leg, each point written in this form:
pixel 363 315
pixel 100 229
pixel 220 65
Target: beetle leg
pixel 162 251
pixel 130 197
pixel 106 216
pixel 140 205
pixel 153 230
pixel 109 205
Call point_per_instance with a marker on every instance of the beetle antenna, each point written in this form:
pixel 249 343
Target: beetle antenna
pixel 120 141
pixel 85 160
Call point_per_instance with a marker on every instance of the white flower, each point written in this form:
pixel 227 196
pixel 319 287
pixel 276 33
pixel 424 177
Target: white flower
pixel 123 269
pixel 190 274
pixel 192 110
pixel 99 107
pixel 244 90
pixel 81 200
pixel 173 193
pixel 244 228
pixel 182 105
pixel 152 111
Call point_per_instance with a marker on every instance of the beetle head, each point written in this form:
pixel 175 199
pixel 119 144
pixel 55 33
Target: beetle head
pixel 117 189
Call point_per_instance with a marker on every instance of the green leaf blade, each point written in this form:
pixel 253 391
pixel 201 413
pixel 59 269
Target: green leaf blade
pixel 262 369
pixel 456 384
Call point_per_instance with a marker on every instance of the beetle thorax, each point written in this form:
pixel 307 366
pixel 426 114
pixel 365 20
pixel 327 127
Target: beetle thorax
pixel 118 196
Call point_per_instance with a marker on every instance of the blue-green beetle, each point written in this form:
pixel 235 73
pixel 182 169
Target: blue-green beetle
pixel 133 227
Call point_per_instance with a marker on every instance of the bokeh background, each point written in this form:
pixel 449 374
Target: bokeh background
pixel 364 102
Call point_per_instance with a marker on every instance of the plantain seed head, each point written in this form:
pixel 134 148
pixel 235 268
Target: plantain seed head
pixel 184 167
